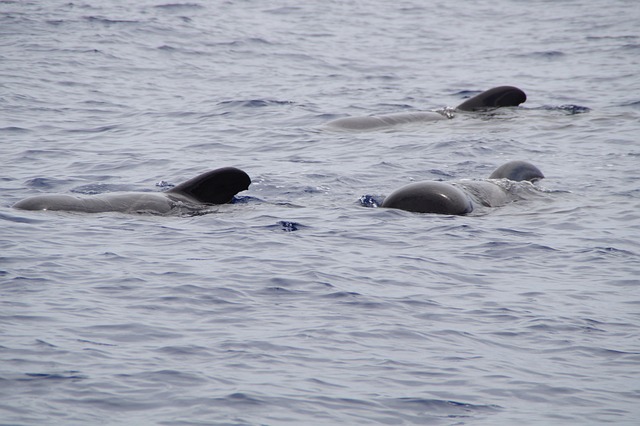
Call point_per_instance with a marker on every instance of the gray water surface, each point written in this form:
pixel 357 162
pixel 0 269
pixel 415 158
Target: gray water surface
pixel 297 304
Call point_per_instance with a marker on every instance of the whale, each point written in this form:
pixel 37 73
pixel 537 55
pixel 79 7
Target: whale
pixel 462 197
pixel 217 186
pixel 497 97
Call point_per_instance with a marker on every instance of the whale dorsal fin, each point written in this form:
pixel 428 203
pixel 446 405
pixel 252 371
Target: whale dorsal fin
pixel 503 96
pixel 215 186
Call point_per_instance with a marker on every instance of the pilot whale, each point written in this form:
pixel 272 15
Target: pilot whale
pixel 460 198
pixel 497 97
pixel 213 187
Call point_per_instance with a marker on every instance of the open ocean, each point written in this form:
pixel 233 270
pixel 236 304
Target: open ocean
pixel 299 304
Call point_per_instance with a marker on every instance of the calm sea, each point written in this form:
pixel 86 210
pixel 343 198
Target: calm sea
pixel 298 304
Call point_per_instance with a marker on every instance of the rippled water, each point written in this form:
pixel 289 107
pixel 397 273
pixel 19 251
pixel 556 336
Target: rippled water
pixel 297 304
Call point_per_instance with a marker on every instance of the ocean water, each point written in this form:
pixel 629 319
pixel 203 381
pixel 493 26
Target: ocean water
pixel 298 304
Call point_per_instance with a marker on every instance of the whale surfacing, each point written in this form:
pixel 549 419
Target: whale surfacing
pixel 497 97
pixel 517 171
pixel 459 198
pixel 213 187
pixel 430 197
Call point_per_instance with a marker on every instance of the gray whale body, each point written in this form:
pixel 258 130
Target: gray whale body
pixel 373 122
pixel 213 187
pixel 497 97
pixel 459 198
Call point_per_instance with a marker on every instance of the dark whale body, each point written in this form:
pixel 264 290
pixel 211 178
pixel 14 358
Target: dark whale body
pixel 517 171
pixel 213 187
pixel 497 97
pixel 459 198
pixel 430 197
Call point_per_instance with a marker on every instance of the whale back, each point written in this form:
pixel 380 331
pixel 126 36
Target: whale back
pixel 373 122
pixel 503 96
pixel 215 186
pixel 117 202
pixel 430 197
pixel 517 171
pixel 52 202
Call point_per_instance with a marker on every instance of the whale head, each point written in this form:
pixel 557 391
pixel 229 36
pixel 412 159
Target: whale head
pixel 517 171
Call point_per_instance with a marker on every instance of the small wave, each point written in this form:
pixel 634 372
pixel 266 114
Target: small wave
pixel 254 103
pixel 167 48
pixel 626 283
pixel 44 183
pixel 634 104
pixel 241 42
pixel 56 22
pixel 164 184
pixel 42 342
pixel 94 343
pixel 289 226
pixel 107 21
pixel 550 54
pixel 439 172
pixel 99 129
pixel 341 295
pixel 179 6
pixel 183 350
pixel 286 226
pixel 610 251
pixel 244 199
pixel 573 109
pixel 467 93
pixel 18 219
pixel 284 10
pixel 568 109
pixel 630 46
pixel 240 398
pixel 315 189
pixel 435 406
pixel 371 201
pixel 621 37
pixel 53 376
pixel 14 129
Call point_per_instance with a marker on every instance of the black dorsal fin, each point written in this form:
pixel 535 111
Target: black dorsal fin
pixel 215 186
pixel 503 96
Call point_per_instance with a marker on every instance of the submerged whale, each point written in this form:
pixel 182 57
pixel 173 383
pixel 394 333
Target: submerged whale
pixel 497 97
pixel 459 198
pixel 213 187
